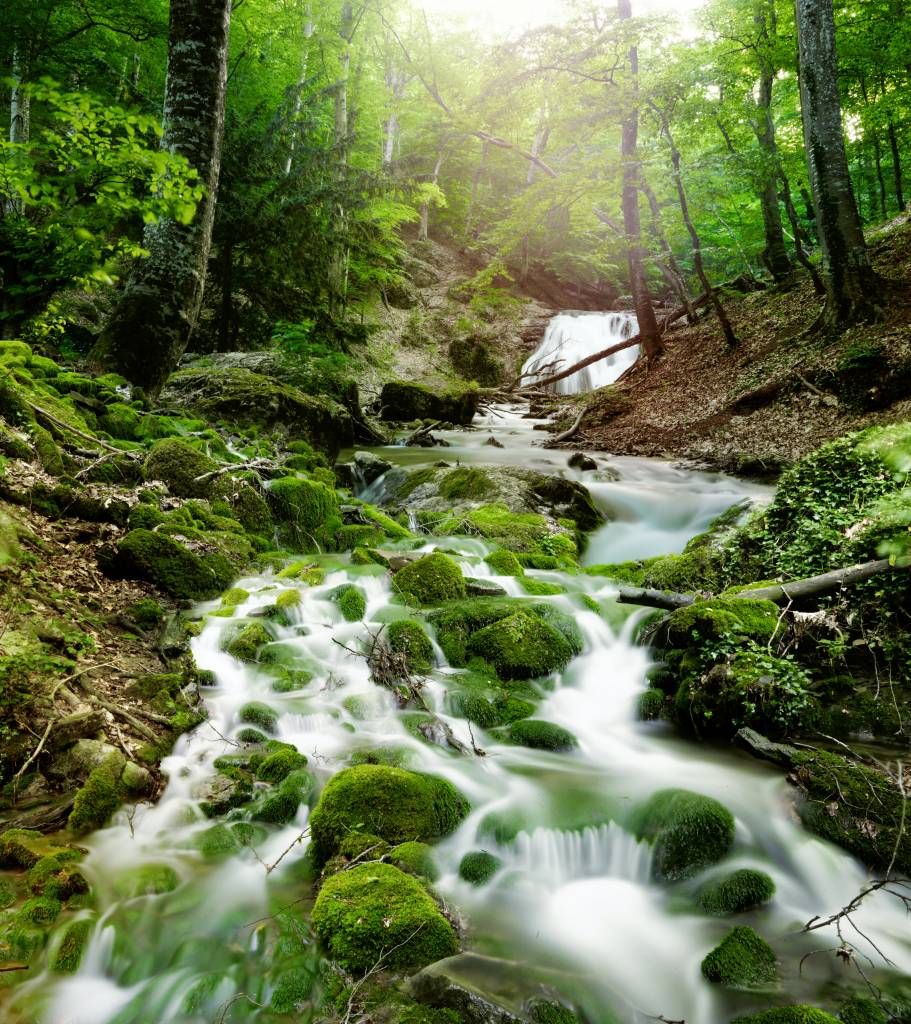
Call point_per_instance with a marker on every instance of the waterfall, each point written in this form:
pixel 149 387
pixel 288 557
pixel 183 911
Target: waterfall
pixel 570 338
pixel 558 856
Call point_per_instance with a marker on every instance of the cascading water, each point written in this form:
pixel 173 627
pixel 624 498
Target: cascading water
pixel 572 337
pixel 574 906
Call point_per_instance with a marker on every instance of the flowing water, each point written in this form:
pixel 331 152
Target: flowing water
pixel 572 337
pixel 574 907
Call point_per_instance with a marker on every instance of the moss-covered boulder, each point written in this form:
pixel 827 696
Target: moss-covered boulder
pixel 196 575
pixel 720 616
pixel 241 398
pixel 522 646
pixel 246 642
pixel 735 893
pixel 408 638
pixel 540 735
pixel 307 512
pixel 431 580
pixel 402 401
pixel 71 946
pixel 279 805
pixel 414 859
pixel 504 563
pixel 260 715
pixel 374 912
pixel 101 795
pixel 478 867
pixel 797 1014
pixel 688 832
pixel 741 960
pixel 351 601
pixel 278 765
pixel 397 805
pixel 179 464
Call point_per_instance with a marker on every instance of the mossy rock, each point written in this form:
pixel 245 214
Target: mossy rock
pixel 222 840
pixel 540 735
pixel 100 797
pixel 521 646
pixel 491 710
pixel 155 557
pixel 147 880
pixel 688 832
pixel 39 910
pixel 258 714
pixel 121 421
pixel 414 859
pixel 542 1012
pixel 540 588
pixel 478 867
pixel 279 807
pixel 735 893
pixel 408 638
pixel 861 1010
pixel 71 948
pixel 350 538
pixel 505 563
pixel 58 876
pixel 307 512
pixel 404 402
pixel 464 483
pixel 375 911
pixel 179 464
pixel 279 764
pixel 245 645
pixel 797 1014
pixel 743 959
pixel 651 704
pixel 24 848
pixel 397 805
pixel 431 580
pixel 351 601
pixel 721 616
pixel 235 596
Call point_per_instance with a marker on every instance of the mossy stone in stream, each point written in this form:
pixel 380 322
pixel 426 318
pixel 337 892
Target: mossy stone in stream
pixel 178 464
pixel 489 713
pixel 798 1014
pixel 540 588
pixel 651 704
pixel 375 911
pixel 307 512
pixel 259 714
pixel 58 876
pixel 540 735
pixel 393 803
pixel 408 638
pixel 542 1012
pixel 250 735
pixel 734 893
pixel 68 954
pixel 288 599
pixel 688 832
pixel 741 960
pixel 414 859
pixel 431 580
pixel 279 807
pixel 293 988
pixel 39 910
pixel 350 538
pixel 235 596
pixel 8 893
pixel 479 867
pixel 720 616
pixel 521 646
pixel 24 941
pixel 101 795
pixel 24 847
pixel 178 571
pixel 226 840
pixel 504 563
pixel 351 601
pixel 244 644
pixel 147 880
pixel 861 1010
pixel 279 764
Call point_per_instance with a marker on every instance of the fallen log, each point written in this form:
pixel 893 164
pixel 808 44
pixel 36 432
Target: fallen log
pixel 779 593
pixel 596 358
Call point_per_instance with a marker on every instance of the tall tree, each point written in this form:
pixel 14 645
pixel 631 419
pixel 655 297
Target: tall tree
pixel 155 317
pixel 852 286
pixel 652 345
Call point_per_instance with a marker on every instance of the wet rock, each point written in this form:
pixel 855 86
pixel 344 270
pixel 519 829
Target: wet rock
pixel 483 588
pixel 221 794
pixel 371 466
pixel 765 749
pixel 492 442
pixel 79 760
pixel 579 460
pixel 403 402
pixel 439 986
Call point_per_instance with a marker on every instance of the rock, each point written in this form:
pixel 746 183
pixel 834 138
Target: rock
pixel 143 554
pixel 403 402
pixel 430 580
pixel 351 600
pixel 540 735
pixel 521 646
pixel 221 794
pixel 246 399
pixel 72 728
pixel 414 859
pixel 101 795
pixel 408 638
pixel 736 892
pixel 136 779
pixel 483 588
pixel 179 464
pixel 759 746
pixel 492 442
pixel 479 867
pixel 741 960
pixel 443 986
pixel 307 511
pixel 80 759
pixel 579 460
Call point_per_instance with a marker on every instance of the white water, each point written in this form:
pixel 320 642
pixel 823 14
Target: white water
pixel 572 337
pixel 574 899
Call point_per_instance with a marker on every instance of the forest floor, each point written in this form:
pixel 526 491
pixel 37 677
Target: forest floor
pixel 778 394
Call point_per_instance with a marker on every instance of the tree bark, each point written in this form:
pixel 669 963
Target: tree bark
pixel 851 283
pixel 424 228
pixel 396 83
pixel 896 167
pixel 652 344
pixel 338 270
pixel 775 256
pixel 299 92
pixel 155 318
pixel 669 266
pixel 799 234
pixel 19 103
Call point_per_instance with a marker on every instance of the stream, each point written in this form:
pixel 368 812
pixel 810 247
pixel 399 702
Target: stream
pixel 574 908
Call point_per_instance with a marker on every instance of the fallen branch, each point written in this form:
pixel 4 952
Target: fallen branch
pixel 596 358
pixel 251 464
pixel 663 599
pixel 570 432
pixel 61 425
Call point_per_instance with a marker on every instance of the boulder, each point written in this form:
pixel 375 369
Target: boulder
pixel 401 401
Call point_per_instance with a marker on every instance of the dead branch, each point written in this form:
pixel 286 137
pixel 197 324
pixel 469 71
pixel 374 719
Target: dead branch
pixel 570 432
pixel 588 361
pixel 663 599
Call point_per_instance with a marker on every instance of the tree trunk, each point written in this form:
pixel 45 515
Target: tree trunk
pixel 880 177
pixel 475 186
pixel 799 234
pixel 424 229
pixel 396 83
pixel 896 167
pixel 19 103
pixel 652 344
pixel 338 270
pixel 299 92
pixel 729 336
pixel 851 284
pixel 154 319
pixel 669 266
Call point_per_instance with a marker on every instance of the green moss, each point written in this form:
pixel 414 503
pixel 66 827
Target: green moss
pixel 395 804
pixel 503 826
pixel 798 1014
pixel 57 876
pixel 651 704
pixel 25 941
pixel 369 556
pixel 146 613
pixel 406 401
pixel 430 580
pixel 414 859
pixel 178 571
pixel 351 600
pixel 294 988
pixel 288 599
pixel 121 421
pixel 306 572
pixel 861 1010
pixel 539 735
pixel 68 954
pixel 250 735
pixel 39 910
pixel 348 538
pixel 688 831
pixel 101 795
pixel 479 867
pixel 375 911
pixel 278 765
pixel 147 880
pixel 280 806
pixel 504 563
pixel 225 840
pixel 521 646
pixel 259 714
pixel 407 637
pixel 178 464
pixel 23 848
pixel 741 960
pixel 49 454
pixel 491 711
pixel 516 531
pixel 8 894
pixel 245 645
pixel 718 617
pixel 551 1013
pixel 540 588
pixel 465 483
pixel 734 893
pixel 235 596
pixel 307 512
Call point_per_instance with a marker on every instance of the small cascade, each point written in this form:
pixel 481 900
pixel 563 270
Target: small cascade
pixel 559 856
pixel 572 337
